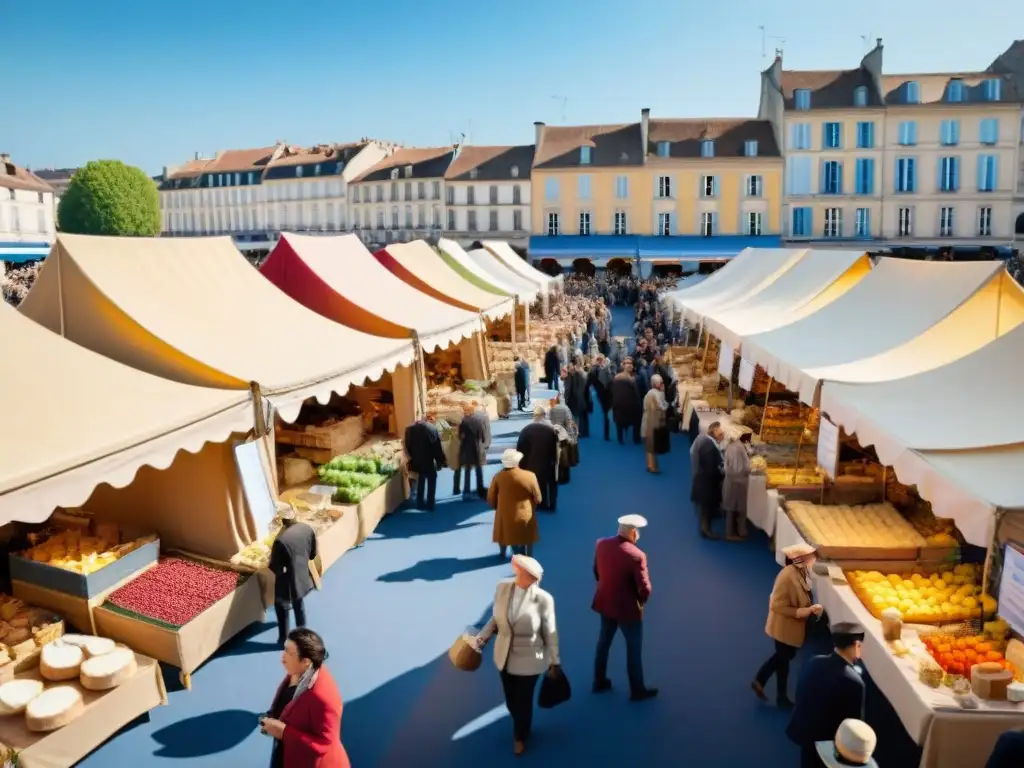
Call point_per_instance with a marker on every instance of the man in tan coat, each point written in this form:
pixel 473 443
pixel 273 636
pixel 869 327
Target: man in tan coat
pixel 514 494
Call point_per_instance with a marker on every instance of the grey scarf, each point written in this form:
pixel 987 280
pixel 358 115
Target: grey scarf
pixel 307 679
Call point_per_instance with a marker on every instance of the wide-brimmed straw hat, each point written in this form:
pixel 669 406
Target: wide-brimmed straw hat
pixel 854 745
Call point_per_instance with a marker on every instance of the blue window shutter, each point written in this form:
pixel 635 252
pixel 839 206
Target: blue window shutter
pixel 981 173
pixel 714 185
pixel 942 163
pixel 838 183
pixel 956 173
pixel 994 165
pixel 913 132
pixel 956 131
pixel 912 174
pixel 823 180
pixel 714 223
pixel 871 176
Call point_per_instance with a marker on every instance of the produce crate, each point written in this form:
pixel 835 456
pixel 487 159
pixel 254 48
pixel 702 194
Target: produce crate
pixel 337 438
pixel 81 585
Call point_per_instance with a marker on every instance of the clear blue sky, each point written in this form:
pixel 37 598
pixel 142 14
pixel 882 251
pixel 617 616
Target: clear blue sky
pixel 151 83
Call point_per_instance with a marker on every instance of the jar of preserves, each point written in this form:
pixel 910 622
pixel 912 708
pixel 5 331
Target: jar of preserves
pixel 892 624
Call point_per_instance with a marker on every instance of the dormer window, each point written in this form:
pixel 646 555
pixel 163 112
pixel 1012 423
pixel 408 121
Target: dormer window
pixel 955 91
pixel 514 172
pixel 912 92
pixel 394 173
pixel 664 149
pixel 802 98
pixel 408 171
pixel 252 177
pixel 298 171
pixel 707 148
pixel 584 155
pixel 473 173
pixel 750 148
pixel 860 96
pixel 316 169
pixel 992 89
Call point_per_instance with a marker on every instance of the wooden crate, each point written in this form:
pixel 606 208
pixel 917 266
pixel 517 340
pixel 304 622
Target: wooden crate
pixel 332 439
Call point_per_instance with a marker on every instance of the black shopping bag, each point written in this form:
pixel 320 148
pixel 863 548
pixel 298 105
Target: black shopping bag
pixel 554 689
pixel 662 441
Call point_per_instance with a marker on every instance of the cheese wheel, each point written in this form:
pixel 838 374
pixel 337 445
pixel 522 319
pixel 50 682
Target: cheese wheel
pixel 54 708
pixel 60 661
pixel 91 644
pixel 101 673
pixel 15 695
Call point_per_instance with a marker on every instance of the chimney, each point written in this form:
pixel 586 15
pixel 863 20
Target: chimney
pixel 645 130
pixel 878 42
pixel 538 129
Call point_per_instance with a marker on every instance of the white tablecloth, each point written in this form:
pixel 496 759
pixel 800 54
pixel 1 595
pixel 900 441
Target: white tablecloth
pixel 786 535
pixel 762 504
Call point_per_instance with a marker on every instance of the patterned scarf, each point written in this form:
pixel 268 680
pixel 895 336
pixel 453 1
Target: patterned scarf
pixel 307 679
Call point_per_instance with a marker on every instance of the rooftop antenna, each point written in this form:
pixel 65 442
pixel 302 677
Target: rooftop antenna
pixel 866 39
pixel 564 100
pixel 765 37
pixel 764 50
pixel 781 44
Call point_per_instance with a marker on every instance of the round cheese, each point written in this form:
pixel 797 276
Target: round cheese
pixel 101 673
pixel 91 644
pixel 15 695
pixel 60 661
pixel 54 708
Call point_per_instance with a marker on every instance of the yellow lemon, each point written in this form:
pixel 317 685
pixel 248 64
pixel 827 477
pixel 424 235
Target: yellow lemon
pixel 970 603
pixel 892 600
pixel 894 579
pixel 938 583
pixel 908 584
pixel 947 576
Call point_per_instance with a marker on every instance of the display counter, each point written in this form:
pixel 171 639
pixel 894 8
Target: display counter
pixel 762 504
pixel 105 713
pixel 786 535
pixel 949 736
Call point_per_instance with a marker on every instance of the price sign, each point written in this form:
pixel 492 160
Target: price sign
pixel 257 486
pixel 725 359
pixel 828 447
pixel 1011 589
pixel 746 378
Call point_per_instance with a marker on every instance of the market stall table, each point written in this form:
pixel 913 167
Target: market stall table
pixel 762 504
pixel 786 535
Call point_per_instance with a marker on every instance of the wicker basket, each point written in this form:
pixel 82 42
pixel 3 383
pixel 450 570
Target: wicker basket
pixel 464 654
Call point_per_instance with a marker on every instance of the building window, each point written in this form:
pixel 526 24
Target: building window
pixel 421 190
pixel 620 223
pixel 316 169
pixel 912 92
pixel 955 91
pixel 664 148
pixel 41 221
pixel 988 169
pixel 380 218
pixel 517 221
pixel 755 185
pixel 949 174
pixel 664 186
pixel 584 223
pixel 470 195
pixel 905 222
pixel 865 181
pixel 949 133
pixel 800 136
pixel 471 221
pixel 988 131
pixel 664 224
pixel 750 148
pixel 985 222
pixel 621 187
pixel 707 148
pixel 493 194
pixel 833 222
pixel 803 220
pixel 708 220
pixel 865 135
pixel 473 173
pixel 908 133
pixel 708 186
pixel 583 187
pixel 992 89
pixel 753 223
pixel 946 222
pixel 905 174
pixel 355 194
pixel 584 155
pixel 552 224
pixel 408 190
pixel 860 96
pixel 315 217
pixel 449 195
pixel 451 220
pixel 408 171
pixel 862 222
pixel 380 193
pixel 421 216
pixel 435 190
pixel 394 217
pixel 832 177
pixel 802 98
pixel 394 191
pixel 435 216
pixel 514 171
pixel 551 189
pixel 832 137
pixel 284 219
pixel 408 217
pixel 492 222
pixel 517 196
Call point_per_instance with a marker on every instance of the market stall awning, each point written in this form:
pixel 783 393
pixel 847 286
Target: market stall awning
pixel 965 467
pixel 19 252
pixel 570 247
pixel 750 272
pixel 420 266
pixel 193 310
pixel 503 251
pixel 337 277
pixel 818 278
pixel 902 318
pixel 696 248
pixel 521 287
pixel 457 258
pixel 74 419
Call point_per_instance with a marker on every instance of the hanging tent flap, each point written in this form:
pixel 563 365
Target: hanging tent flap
pixel 459 260
pixel 517 285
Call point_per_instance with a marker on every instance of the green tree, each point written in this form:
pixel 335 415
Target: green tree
pixel 107 197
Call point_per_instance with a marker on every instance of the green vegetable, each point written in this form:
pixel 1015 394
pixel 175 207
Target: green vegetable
pixel 367 466
pixel 350 495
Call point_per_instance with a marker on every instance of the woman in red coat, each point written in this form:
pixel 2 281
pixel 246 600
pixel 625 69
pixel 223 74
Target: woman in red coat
pixel 305 718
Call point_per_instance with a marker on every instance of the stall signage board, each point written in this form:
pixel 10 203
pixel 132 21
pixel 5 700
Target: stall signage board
pixel 828 448
pixel 725 360
pixel 256 484
pixel 1011 589
pixel 746 377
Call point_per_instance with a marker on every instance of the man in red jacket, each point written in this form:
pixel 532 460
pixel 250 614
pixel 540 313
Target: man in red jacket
pixel 623 588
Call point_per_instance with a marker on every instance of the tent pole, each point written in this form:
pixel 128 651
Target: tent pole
pixel 514 313
pixel 258 415
pixel 799 444
pixel 707 343
pixel 764 413
pixel 419 371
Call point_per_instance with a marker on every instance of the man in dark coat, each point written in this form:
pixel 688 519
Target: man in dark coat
pixel 831 689
pixel 577 397
pixel 538 442
pixel 600 378
pixel 552 368
pixel 623 589
pixel 627 407
pixel 474 440
pixel 290 556
pixel 425 457
pixel 1008 752
pixel 707 473
pixel 522 381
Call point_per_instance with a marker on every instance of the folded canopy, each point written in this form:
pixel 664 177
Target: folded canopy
pixel 913 305
pixel 422 267
pixel 456 258
pixel 337 277
pixel 504 253
pixel 193 310
pixel 818 278
pixel 507 279
pixel 92 420
pixel 965 467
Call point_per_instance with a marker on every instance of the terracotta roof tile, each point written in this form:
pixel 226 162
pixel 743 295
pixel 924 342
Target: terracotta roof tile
pixel 427 163
pixel 189 170
pixel 830 89
pixel 729 134
pixel 232 160
pixel 15 177
pixel 317 154
pixel 611 145
pixel 934 87
pixel 491 163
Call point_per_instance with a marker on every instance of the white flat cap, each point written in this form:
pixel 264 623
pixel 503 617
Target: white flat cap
pixel 510 458
pixel 854 744
pixel 633 521
pixel 798 551
pixel 285 511
pixel 529 565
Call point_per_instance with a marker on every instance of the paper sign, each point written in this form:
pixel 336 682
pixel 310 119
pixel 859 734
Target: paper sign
pixel 256 486
pixel 1011 589
pixel 725 360
pixel 828 447
pixel 746 377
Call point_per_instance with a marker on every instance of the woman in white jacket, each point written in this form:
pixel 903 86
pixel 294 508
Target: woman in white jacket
pixel 527 644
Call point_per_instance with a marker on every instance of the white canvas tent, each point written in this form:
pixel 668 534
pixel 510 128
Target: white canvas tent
pixel 966 466
pixel 900 319
pixel 469 269
pixel 503 252
pixel 525 290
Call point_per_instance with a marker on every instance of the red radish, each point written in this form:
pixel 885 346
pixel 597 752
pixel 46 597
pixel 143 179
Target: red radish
pixel 175 590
